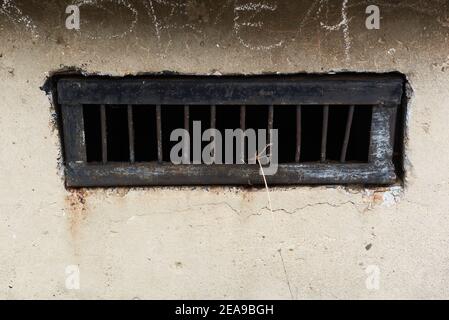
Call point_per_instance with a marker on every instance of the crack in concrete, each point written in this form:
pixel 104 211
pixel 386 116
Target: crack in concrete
pixel 239 212
pixel 286 274
pixel 334 205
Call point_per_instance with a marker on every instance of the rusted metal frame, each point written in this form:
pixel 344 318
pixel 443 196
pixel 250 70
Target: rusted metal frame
pixel 381 144
pixel 379 170
pixel 393 122
pixel 344 148
pixel 146 174
pixel 263 90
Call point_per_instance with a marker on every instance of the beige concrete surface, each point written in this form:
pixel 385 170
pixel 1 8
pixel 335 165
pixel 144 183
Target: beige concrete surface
pixel 221 242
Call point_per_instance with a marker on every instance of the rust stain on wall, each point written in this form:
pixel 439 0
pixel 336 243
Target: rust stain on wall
pixel 77 209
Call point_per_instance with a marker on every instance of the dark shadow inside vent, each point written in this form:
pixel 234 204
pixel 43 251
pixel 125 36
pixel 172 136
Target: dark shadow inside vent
pixel 145 140
pixel 284 120
pixel 117 133
pixel 358 147
pixel 336 134
pixel 311 124
pixel 92 129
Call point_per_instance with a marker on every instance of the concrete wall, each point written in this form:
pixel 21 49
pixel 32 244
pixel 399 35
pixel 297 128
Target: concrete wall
pixel 221 242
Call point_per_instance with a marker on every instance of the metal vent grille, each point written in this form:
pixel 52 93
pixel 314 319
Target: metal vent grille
pixel 115 133
pixel 332 129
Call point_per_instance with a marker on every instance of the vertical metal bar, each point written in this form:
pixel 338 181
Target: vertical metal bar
pixel 243 127
pixel 213 113
pixel 270 127
pixel 159 132
pixel 104 138
pixel 132 157
pixel 324 132
pixel 186 149
pixel 344 149
pixel 187 118
pixel 213 124
pixel 298 134
pixel 243 118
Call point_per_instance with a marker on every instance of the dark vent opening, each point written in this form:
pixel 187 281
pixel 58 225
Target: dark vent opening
pixel 358 147
pixel 228 117
pixel 337 127
pixel 285 122
pixel 117 133
pixel 311 124
pixel 92 120
pixel 358 144
pixel 144 119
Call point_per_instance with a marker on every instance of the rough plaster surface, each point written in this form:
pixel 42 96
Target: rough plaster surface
pixel 221 242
